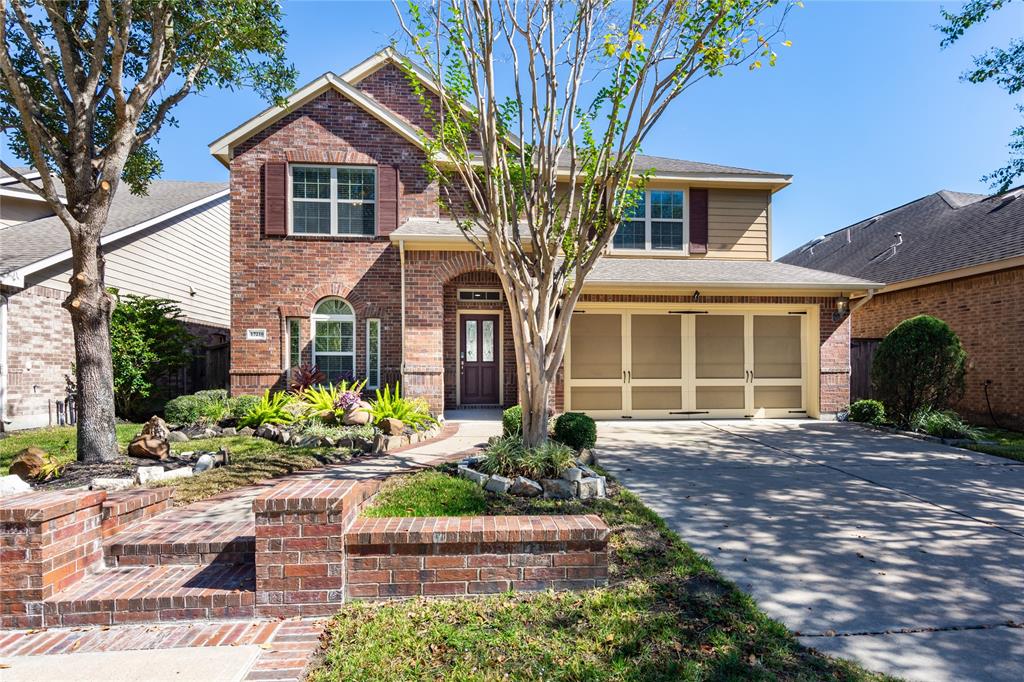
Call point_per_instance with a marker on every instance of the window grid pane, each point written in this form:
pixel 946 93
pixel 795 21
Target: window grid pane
pixel 333 306
pixel 294 350
pixel 311 183
pixel 666 204
pixel 356 184
pixel 311 217
pixel 630 236
pixel 665 235
pixel 355 218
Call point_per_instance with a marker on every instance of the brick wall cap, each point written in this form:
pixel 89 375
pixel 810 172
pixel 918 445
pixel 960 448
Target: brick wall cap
pixel 123 501
pixel 471 529
pixel 43 506
pixel 318 495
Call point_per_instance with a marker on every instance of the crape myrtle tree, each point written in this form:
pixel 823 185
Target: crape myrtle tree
pixel 1003 66
pixel 85 87
pixel 540 110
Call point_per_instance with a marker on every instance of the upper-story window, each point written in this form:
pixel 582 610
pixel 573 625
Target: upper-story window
pixel 657 222
pixel 336 200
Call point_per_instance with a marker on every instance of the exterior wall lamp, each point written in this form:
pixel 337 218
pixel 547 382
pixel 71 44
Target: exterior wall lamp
pixel 842 308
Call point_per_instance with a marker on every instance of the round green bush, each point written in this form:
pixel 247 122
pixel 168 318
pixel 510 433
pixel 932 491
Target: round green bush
pixel 920 363
pixel 512 421
pixel 185 409
pixel 867 412
pixel 239 406
pixel 576 430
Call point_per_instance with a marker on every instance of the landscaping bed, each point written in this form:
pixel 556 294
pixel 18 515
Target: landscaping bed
pixel 666 613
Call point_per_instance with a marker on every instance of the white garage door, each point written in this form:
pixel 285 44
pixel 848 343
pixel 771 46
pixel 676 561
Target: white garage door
pixel 652 363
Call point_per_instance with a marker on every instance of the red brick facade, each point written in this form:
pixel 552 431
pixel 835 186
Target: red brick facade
pixel 275 279
pixel 987 312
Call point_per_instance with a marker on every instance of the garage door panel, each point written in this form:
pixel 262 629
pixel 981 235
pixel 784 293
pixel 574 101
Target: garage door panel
pixel 777 352
pixel 597 398
pixel 596 346
pixel 721 397
pixel 778 397
pixel 656 397
pixel 720 349
pixel 656 345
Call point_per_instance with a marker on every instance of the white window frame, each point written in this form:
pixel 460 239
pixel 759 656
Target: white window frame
pixel 318 317
pixel 371 321
pixel 481 300
pixel 333 201
pixel 647 220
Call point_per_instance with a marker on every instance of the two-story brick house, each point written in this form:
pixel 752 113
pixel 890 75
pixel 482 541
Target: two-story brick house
pixel 342 258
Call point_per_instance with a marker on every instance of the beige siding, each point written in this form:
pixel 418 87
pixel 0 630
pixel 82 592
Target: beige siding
pixel 14 210
pixel 165 261
pixel 738 223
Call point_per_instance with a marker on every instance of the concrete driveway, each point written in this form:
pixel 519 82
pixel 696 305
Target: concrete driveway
pixel 904 555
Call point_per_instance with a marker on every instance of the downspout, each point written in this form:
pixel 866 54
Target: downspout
pixel 861 301
pixel 401 260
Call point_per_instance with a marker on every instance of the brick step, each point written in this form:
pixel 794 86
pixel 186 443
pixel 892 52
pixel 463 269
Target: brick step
pixel 169 541
pixel 153 594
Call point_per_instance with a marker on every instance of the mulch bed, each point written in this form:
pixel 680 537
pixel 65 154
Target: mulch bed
pixel 79 474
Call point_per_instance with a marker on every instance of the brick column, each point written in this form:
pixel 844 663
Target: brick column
pixel 48 541
pixel 300 553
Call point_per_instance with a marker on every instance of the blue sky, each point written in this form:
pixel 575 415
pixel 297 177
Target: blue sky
pixel 864 110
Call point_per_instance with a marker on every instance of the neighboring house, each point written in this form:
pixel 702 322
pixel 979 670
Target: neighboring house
pixel 170 244
pixel 341 258
pixel 959 257
pixel 19 204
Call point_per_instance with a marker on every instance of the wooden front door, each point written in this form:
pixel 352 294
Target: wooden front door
pixel 478 360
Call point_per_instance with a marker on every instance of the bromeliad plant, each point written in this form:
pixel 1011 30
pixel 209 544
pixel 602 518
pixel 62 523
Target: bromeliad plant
pixel 330 402
pixel 270 409
pixel 388 405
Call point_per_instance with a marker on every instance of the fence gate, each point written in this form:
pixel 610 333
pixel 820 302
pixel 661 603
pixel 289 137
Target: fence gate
pixel 862 355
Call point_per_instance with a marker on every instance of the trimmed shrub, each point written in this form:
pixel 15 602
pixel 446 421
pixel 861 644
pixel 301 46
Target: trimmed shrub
pixel 512 421
pixel 946 424
pixel 576 430
pixel 212 394
pixel 205 407
pixel 867 412
pixel 185 409
pixel 240 405
pixel 920 363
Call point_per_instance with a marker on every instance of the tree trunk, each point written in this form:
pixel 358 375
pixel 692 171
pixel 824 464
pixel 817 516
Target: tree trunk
pixel 535 407
pixel 90 306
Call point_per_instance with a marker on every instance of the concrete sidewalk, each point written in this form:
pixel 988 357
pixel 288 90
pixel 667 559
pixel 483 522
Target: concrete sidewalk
pixel 905 555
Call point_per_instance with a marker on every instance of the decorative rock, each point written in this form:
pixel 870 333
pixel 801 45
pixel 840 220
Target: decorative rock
pixel 571 474
pixel 12 485
pixel 229 431
pixel 194 431
pixel 28 463
pixel 146 475
pixel 210 432
pixel 592 487
pixel 307 442
pixel 558 488
pixel 183 472
pixel 177 437
pixel 285 437
pixel 587 456
pixel 498 484
pixel 525 487
pixel 473 475
pixel 246 431
pixel 268 431
pixel 149 447
pixel 112 483
pixel 357 415
pixel 156 428
pixel 392 427
pixel 204 463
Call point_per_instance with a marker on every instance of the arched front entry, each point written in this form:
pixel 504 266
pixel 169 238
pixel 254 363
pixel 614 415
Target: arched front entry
pixel 479 353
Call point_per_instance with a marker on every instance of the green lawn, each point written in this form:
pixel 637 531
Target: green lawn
pixel 430 493
pixel 1009 444
pixel 58 441
pixel 666 615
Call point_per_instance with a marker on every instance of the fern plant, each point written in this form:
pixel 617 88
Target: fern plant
pixel 330 402
pixel 51 468
pixel 393 406
pixel 269 409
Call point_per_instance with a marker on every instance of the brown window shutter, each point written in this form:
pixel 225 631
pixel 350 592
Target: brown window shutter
pixel 698 220
pixel 275 198
pixel 387 199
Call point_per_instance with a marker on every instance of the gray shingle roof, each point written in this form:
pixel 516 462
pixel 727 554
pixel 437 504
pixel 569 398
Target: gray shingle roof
pixel 940 232
pixel 678 271
pixel 708 272
pixel 27 243
pixel 662 164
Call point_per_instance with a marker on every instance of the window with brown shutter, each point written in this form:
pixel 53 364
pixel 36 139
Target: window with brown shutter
pixel 698 220
pixel 387 201
pixel 275 198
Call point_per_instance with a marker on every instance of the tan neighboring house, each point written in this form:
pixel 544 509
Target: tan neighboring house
pixel 342 258
pixel 170 244
pixel 957 256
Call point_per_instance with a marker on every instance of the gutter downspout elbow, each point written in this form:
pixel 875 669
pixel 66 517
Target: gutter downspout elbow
pixel 861 301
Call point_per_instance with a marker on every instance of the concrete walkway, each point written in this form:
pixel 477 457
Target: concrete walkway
pixel 905 555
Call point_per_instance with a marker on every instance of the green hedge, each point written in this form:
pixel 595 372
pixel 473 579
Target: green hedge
pixel 576 430
pixel 867 412
pixel 512 421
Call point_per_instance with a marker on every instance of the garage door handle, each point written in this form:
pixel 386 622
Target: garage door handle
pixel 623 376
pixel 629 376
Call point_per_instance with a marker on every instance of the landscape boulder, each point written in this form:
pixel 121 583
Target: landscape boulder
pixel 392 427
pixel 100 483
pixel 571 474
pixel 498 484
pixel 12 485
pixel 149 447
pixel 156 428
pixel 28 463
pixel 592 487
pixel 473 475
pixel 558 488
pixel 177 437
pixel 246 431
pixel 205 462
pixel 357 415
pixel 525 487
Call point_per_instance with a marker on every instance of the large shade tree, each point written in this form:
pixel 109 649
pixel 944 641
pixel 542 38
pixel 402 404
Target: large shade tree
pixel 1004 66
pixel 542 108
pixel 85 87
